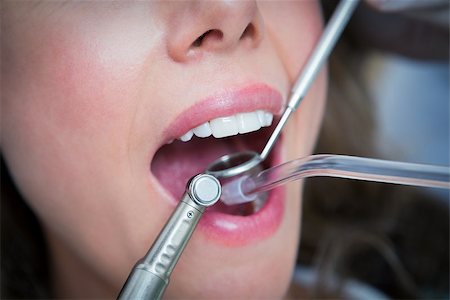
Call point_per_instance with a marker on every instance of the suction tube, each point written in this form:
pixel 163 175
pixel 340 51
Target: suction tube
pixel 244 189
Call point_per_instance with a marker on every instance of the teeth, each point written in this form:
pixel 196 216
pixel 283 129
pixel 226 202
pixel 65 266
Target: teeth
pixel 231 125
pixel 187 136
pixel 261 117
pixel 203 130
pixel 222 127
pixel 248 122
pixel 268 118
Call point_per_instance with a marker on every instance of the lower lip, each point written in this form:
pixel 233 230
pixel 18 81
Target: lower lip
pixel 238 231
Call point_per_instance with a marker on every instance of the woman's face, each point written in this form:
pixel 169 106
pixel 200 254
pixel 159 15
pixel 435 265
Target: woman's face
pixel 93 92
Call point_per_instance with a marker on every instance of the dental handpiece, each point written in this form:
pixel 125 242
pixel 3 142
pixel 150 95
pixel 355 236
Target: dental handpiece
pixel 150 276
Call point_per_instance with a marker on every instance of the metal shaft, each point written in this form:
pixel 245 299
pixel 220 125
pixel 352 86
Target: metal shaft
pixel 320 54
pixel 150 276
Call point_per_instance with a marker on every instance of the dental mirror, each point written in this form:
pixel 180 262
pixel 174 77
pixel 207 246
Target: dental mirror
pixel 241 162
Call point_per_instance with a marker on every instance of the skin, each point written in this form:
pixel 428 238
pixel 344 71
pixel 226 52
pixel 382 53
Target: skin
pixel 87 91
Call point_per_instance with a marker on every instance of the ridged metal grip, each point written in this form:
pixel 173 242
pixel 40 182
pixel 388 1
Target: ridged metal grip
pixel 171 241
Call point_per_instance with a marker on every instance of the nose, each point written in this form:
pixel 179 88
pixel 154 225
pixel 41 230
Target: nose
pixel 199 27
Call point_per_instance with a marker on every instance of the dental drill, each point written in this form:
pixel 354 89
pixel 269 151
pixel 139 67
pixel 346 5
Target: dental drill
pixel 150 276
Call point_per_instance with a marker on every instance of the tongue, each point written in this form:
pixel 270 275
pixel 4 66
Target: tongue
pixel 176 163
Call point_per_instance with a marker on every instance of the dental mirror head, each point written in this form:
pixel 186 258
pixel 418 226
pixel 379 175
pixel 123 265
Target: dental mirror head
pixel 239 163
pixel 234 164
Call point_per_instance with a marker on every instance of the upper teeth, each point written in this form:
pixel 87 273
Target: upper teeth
pixel 231 125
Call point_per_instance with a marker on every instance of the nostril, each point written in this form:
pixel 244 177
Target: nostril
pixel 249 32
pixel 212 35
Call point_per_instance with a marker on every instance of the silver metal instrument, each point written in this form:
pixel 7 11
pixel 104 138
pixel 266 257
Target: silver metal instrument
pixel 238 163
pixel 150 276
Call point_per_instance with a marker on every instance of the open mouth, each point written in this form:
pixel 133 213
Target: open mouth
pixel 238 120
pixel 190 154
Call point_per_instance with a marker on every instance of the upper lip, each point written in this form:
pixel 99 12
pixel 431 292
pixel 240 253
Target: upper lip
pixel 225 103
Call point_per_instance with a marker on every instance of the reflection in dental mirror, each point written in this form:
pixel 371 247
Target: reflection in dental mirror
pixel 246 188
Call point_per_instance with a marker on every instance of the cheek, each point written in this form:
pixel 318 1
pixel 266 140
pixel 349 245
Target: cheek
pixel 58 114
pixel 72 89
pixel 83 65
pixel 294 27
pixel 69 117
pixel 76 88
pixel 63 107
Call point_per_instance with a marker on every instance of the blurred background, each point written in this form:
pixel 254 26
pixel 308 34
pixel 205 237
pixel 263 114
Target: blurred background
pixel 389 99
